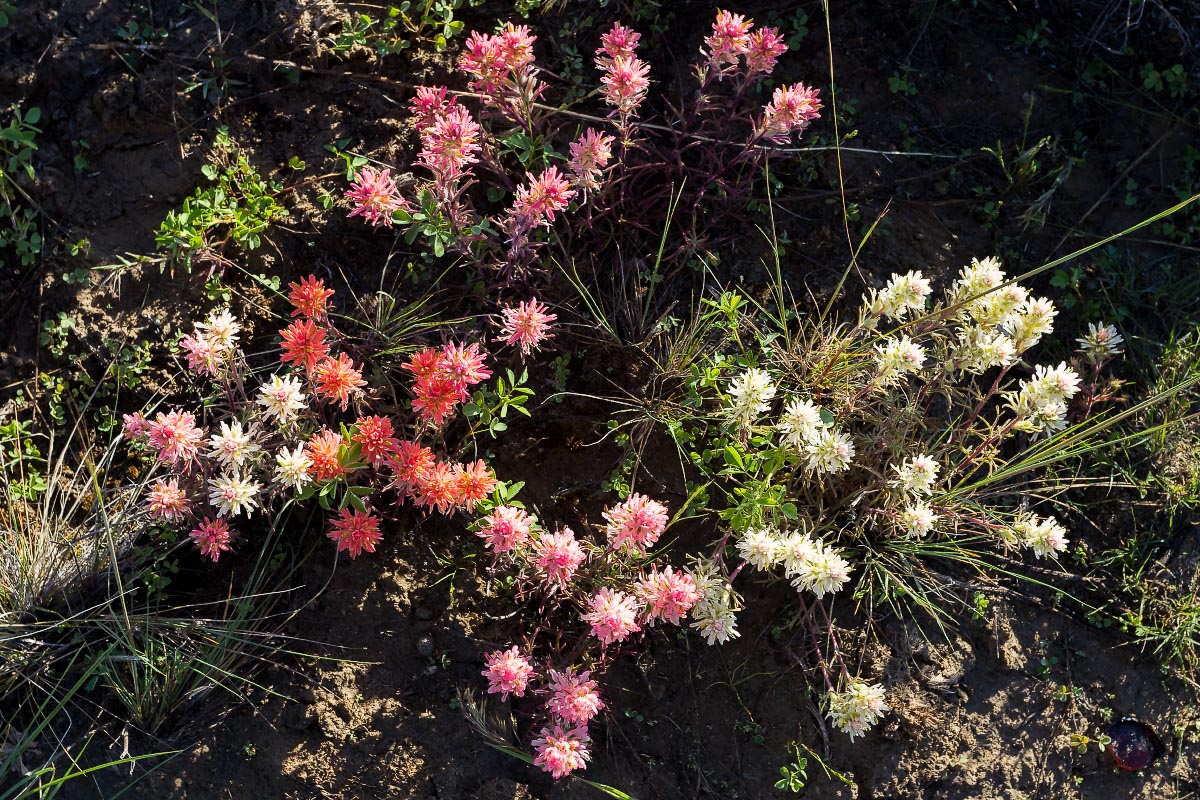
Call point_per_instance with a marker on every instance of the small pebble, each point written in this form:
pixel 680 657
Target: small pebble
pixel 425 645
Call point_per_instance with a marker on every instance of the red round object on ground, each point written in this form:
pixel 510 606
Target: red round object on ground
pixel 1134 746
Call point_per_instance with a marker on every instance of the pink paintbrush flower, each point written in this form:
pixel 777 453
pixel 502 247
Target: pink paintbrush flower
pixel 508 672
pixel 612 615
pixel 635 524
pixel 375 196
pixel 505 529
pixel 212 536
pixel 526 325
pixel 561 751
pixel 573 697
pixel 355 531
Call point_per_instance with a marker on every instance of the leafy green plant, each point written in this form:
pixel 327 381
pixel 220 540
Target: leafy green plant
pixel 1185 228
pixel 901 83
pixel 1173 80
pixel 488 408
pixel 793 776
pixel 21 462
pixel 1080 742
pixel 401 26
pixel 139 38
pixel 56 333
pixel 1035 38
pixel 237 209
pixel 19 218
pixel 794 28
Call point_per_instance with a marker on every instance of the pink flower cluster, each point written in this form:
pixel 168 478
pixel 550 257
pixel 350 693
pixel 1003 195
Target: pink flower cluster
pixel 573 697
pixel 613 616
pixel 508 672
pixel 590 154
pixel 505 529
pixel 212 537
pixel 615 591
pixel 624 77
pixel 635 524
pixel 561 751
pixel 557 556
pixel 167 501
pixel 501 69
pixel 443 379
pixel 491 60
pixel 534 206
pixel 175 436
pixel 667 595
pixel 733 39
pixel 210 348
pixel 791 110
pixel 374 197
pixel 537 201
pixel 449 143
pixel 526 325
pixel 561 745
pixel 282 442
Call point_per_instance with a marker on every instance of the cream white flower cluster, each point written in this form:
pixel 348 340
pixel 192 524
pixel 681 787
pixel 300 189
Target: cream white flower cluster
pixel 825 448
pixel 915 477
pixel 1045 537
pixel 903 293
pixel 996 323
pixel 233 447
pixel 221 329
pixel 1101 342
pixel 896 358
pixel 1041 402
pixel 713 614
pixel 233 494
pixel 857 708
pixel 800 423
pixel 291 467
pixel 830 451
pixel 750 396
pixel 210 347
pixel 282 398
pixel 810 564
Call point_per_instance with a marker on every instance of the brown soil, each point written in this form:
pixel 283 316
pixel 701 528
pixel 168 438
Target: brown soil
pixel 975 711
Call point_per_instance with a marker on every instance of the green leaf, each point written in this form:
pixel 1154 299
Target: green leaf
pixel 733 458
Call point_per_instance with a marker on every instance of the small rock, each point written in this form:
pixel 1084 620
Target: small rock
pixel 425 645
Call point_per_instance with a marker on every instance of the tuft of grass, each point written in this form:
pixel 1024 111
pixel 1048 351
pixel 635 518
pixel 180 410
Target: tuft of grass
pixel 66 517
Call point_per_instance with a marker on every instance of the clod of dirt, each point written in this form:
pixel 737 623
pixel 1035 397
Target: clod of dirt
pixel 504 789
pixel 1005 647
